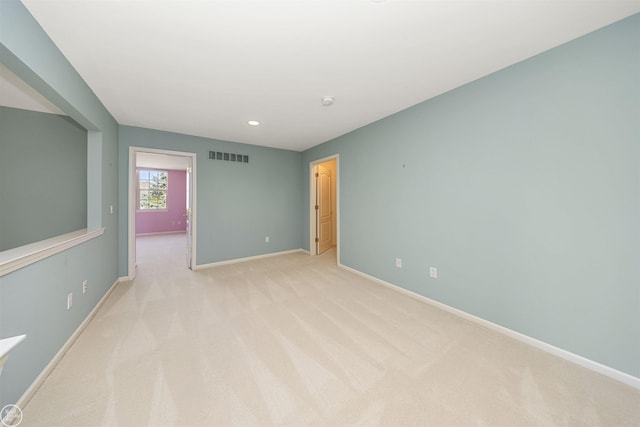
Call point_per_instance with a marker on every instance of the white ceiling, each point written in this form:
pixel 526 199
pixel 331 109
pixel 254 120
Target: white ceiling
pixel 207 67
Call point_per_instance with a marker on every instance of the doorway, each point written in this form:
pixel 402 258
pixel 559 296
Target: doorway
pixel 163 160
pixel 324 206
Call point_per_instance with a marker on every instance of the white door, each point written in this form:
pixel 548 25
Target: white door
pixel 323 208
pixel 189 213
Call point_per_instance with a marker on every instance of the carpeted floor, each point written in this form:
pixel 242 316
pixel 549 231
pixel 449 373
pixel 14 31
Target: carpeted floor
pixel 295 340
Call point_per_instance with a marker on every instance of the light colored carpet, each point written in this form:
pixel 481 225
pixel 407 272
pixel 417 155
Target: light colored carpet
pixel 295 340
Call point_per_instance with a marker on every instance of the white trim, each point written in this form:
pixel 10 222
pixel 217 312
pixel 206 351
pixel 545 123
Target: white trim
pixel 592 365
pixel 6 345
pixel 160 233
pixel 312 194
pixel 313 226
pixel 131 211
pixel 37 383
pixel 249 258
pixel 15 259
pixel 131 215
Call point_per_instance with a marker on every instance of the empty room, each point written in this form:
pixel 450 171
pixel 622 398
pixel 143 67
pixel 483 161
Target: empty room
pixel 328 213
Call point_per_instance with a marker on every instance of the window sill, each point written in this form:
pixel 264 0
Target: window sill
pixel 15 259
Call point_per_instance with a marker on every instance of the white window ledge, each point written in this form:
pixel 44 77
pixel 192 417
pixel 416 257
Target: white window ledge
pixel 17 258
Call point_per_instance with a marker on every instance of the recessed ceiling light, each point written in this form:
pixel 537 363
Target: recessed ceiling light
pixel 253 122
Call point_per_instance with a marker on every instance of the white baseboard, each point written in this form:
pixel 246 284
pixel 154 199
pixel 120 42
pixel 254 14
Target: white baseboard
pixel 27 395
pixel 250 258
pixel 161 233
pixel 541 345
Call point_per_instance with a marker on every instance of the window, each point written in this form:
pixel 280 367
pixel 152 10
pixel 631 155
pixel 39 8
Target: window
pixel 152 189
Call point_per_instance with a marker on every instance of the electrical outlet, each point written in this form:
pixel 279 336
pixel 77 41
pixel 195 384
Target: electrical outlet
pixel 85 286
pixel 69 301
pixel 399 262
pixel 433 272
pixel 266 239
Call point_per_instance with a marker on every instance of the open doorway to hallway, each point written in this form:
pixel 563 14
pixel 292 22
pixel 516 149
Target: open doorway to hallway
pixel 324 207
pixel 161 204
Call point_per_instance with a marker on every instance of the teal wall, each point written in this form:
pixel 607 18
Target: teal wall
pixel 237 204
pixel 43 169
pixel 522 188
pixel 33 299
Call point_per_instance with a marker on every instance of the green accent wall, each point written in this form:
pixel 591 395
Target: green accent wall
pixel 238 204
pixel 33 299
pixel 43 169
pixel 522 188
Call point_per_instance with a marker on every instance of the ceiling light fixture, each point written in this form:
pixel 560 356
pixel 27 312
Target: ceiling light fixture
pixel 253 122
pixel 327 101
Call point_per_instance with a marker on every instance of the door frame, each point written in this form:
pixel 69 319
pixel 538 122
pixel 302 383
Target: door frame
pixel 131 210
pixel 312 198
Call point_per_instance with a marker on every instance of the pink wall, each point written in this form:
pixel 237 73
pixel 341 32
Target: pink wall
pixel 173 218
